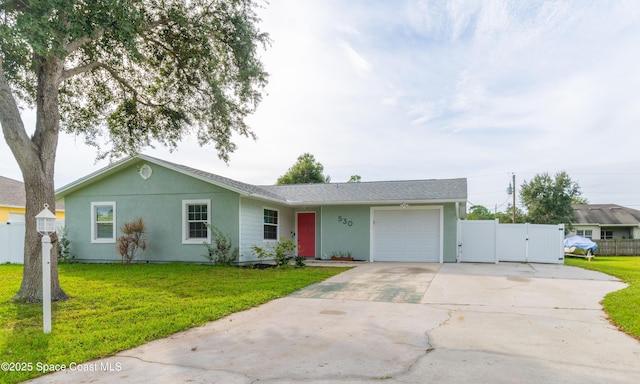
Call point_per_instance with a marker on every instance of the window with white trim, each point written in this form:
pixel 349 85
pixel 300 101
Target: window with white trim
pixel 196 214
pixel 270 224
pixel 606 235
pixel 588 233
pixel 103 222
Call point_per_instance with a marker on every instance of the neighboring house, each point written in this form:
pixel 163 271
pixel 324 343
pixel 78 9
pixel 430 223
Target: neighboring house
pixel 606 221
pixel 13 201
pixel 374 221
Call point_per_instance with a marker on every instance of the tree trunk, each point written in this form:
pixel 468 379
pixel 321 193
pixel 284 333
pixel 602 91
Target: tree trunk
pixel 36 159
pixel 39 188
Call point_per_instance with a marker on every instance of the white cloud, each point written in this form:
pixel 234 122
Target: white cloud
pixel 359 63
pixel 470 93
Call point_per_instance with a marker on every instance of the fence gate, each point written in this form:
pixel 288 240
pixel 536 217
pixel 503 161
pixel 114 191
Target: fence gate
pixel 12 241
pixel 478 243
pixel 491 242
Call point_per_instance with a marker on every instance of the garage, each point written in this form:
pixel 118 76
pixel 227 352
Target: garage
pixel 411 234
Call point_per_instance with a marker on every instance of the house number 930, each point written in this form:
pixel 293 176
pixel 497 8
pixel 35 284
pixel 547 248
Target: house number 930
pixel 345 221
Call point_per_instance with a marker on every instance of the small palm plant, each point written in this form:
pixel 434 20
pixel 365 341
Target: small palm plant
pixel 133 240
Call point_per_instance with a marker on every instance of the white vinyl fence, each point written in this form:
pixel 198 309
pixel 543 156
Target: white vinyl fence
pixel 485 241
pixel 12 241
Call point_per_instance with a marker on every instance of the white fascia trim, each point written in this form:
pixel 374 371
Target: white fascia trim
pixel 372 203
pixel 60 193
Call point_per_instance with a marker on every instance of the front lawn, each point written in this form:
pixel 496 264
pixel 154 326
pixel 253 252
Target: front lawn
pixel 117 307
pixel 622 306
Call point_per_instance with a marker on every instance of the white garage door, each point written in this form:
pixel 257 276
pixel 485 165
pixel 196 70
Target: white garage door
pixel 408 235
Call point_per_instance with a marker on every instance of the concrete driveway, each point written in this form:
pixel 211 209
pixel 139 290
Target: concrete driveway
pixel 400 323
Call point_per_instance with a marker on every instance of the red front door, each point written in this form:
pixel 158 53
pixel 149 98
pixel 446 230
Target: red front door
pixel 307 234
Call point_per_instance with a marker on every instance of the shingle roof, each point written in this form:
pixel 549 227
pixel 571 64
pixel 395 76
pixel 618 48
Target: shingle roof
pixel 238 185
pixel 332 193
pixel 610 214
pixel 375 191
pixel 12 192
pixel 364 192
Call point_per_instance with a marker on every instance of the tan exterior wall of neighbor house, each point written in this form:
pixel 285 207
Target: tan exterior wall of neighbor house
pixel 627 232
pixel 595 230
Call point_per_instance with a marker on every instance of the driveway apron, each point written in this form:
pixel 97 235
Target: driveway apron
pixel 403 323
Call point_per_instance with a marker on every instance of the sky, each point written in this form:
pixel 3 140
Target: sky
pixel 399 90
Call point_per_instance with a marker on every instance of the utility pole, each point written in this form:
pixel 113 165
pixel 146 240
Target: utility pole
pixel 514 199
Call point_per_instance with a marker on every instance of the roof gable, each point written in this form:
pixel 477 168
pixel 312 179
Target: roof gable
pixel 611 214
pixel 233 185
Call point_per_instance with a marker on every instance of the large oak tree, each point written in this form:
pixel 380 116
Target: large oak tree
pixel 549 199
pixel 123 74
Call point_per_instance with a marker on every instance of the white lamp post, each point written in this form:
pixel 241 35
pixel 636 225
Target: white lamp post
pixel 45 225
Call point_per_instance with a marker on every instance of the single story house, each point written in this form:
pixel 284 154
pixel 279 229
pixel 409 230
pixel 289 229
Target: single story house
pixel 412 221
pixel 606 221
pixel 13 201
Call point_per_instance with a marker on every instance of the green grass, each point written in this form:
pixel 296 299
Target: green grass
pixel 622 306
pixel 116 307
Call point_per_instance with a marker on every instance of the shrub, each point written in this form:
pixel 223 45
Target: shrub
pixel 281 252
pixel 221 249
pixel 300 261
pixel 64 246
pixel 132 240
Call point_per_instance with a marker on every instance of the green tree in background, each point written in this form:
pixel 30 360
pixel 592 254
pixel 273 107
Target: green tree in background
pixel 479 212
pixel 506 217
pixel 305 171
pixel 580 200
pixel 128 73
pixel 548 199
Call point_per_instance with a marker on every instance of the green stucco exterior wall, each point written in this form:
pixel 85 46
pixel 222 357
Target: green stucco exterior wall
pixel 345 228
pixel 158 200
pixel 450 228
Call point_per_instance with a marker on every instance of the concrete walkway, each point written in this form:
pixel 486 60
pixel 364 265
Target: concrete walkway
pixel 400 323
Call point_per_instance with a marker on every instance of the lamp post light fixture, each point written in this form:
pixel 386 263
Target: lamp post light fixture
pixel 46 225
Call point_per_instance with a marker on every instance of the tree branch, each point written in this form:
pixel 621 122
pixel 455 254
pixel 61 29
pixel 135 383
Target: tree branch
pixel 77 43
pixel 12 125
pixel 119 79
pixel 79 70
pixel 126 84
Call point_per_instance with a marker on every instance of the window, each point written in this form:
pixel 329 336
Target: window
pixel 103 222
pixel 588 233
pixel 606 235
pixel 195 217
pixel 270 224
